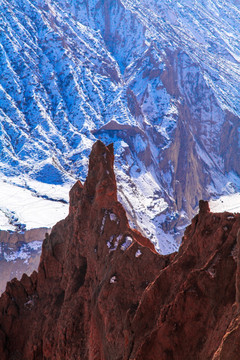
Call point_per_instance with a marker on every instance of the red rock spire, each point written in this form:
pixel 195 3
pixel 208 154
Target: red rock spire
pixel 101 292
pixel 100 185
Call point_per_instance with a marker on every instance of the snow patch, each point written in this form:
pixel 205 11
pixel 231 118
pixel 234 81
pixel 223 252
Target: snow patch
pixel 35 245
pixel 229 203
pixel 138 253
pixel 24 252
pixel 113 217
pixel 112 245
pixel 31 205
pixel 118 239
pixel 127 243
pixel 113 280
pixel 109 243
pixel 103 221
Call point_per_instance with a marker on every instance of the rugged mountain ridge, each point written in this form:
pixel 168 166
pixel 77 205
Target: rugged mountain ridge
pixel 103 292
pixel 160 80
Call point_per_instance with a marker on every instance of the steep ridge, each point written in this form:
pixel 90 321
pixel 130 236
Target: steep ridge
pixel 160 80
pixel 103 292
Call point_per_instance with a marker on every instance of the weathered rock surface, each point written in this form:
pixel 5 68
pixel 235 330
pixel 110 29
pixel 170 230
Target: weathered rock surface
pixel 103 293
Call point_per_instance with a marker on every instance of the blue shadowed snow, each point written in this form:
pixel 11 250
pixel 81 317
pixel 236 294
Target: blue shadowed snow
pixel 50 175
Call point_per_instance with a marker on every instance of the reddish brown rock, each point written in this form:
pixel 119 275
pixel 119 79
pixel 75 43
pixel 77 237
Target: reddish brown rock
pixel 103 293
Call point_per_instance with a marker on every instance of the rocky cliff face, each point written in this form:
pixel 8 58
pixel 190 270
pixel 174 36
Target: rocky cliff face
pixel 102 291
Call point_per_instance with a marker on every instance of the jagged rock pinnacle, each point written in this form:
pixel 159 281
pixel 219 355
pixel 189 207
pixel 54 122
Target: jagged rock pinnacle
pixel 101 291
pixel 203 207
pixel 100 185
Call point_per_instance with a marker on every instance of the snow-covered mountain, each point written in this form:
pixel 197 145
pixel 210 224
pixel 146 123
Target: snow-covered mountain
pixel 160 79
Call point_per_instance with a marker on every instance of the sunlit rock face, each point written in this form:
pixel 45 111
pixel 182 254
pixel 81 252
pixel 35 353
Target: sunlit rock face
pixel 159 79
pixel 103 292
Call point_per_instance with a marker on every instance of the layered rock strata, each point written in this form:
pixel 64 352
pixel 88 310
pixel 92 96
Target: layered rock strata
pixel 103 293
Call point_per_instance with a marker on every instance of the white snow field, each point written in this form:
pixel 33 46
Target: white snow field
pixel 38 205
pixel 230 203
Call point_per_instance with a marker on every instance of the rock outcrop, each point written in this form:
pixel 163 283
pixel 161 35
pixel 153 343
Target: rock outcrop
pixel 103 293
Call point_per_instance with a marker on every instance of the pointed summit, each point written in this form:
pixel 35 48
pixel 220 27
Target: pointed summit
pixel 91 256
pixel 100 185
pixel 101 292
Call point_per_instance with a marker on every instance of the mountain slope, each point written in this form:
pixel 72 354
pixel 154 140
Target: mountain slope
pixel 19 254
pixel 103 292
pixel 161 81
